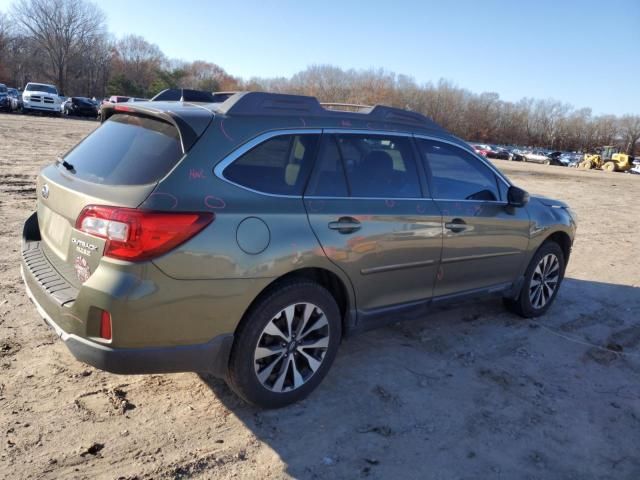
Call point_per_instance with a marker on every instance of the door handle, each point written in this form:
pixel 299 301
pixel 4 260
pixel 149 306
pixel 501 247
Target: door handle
pixel 456 225
pixel 345 225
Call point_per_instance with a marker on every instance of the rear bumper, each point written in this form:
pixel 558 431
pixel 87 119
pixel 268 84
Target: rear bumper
pixel 162 344
pixel 211 357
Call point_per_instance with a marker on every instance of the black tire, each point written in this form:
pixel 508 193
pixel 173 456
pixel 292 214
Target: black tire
pixel 243 378
pixel 522 304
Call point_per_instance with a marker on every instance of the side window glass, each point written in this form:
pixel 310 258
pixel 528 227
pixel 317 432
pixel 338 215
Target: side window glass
pixel 328 178
pixel 457 175
pixel 379 166
pixel 279 165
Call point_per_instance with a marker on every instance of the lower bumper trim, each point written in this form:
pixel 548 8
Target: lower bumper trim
pixel 211 357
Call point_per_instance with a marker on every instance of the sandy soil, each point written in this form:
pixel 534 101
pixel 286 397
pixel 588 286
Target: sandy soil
pixel 470 392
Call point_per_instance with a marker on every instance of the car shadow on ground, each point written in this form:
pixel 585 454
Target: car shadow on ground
pixel 473 392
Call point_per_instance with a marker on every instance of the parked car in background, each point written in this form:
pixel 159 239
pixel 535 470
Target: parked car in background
pixel 481 149
pixel 112 100
pixel 16 97
pixel 540 156
pixel 291 243
pixel 79 107
pixel 137 99
pixel 499 153
pixel 516 154
pixel 570 159
pixel 41 97
pixel 5 101
pixel 118 99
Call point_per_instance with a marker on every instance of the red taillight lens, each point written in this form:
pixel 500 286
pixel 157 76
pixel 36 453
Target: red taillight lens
pixel 137 234
pixel 105 325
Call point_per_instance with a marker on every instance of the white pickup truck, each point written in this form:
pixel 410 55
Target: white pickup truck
pixel 41 97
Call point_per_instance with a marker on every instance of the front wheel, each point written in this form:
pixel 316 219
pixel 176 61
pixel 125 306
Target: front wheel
pixel 541 282
pixel 285 345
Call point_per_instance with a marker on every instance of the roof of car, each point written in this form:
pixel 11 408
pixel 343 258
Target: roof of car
pixel 192 117
pixel 278 104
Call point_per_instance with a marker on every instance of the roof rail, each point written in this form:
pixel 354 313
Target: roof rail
pixel 346 107
pixel 262 103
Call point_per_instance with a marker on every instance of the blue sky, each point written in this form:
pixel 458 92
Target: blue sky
pixel 586 53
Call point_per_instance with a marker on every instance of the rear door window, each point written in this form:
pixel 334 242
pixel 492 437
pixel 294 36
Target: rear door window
pixel 127 150
pixel 379 166
pixel 279 165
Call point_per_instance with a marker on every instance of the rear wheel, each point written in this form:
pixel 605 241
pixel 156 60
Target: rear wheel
pixel 609 167
pixel 285 345
pixel 541 282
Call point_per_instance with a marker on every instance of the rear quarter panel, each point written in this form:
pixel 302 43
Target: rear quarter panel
pixel 215 252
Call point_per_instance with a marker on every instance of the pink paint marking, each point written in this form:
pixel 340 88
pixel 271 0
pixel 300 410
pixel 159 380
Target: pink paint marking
pixel 224 132
pixel 316 205
pixel 390 203
pixel 304 124
pixel 345 123
pixel 196 174
pixel 171 197
pixel 214 202
pixel 420 208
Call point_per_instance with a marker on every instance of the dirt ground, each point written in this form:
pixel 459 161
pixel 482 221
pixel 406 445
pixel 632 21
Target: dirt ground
pixel 470 392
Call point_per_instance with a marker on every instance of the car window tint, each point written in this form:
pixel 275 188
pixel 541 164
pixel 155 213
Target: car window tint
pixel 127 150
pixel 379 166
pixel 457 175
pixel 328 178
pixel 280 165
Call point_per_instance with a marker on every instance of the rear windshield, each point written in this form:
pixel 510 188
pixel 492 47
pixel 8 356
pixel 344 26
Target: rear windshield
pixel 127 150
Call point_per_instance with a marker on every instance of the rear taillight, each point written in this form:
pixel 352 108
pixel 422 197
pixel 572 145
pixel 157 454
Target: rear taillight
pixel 136 235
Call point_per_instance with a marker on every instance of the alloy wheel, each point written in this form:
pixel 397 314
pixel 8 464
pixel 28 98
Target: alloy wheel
pixel 291 347
pixel 544 281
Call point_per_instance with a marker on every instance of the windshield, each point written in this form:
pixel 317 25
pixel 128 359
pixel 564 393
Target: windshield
pixel 126 150
pixel 3 89
pixel 38 87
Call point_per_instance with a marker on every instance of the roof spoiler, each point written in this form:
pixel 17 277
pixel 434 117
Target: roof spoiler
pixel 190 120
pixel 262 103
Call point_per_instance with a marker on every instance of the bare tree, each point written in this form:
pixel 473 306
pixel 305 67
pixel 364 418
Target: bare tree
pixel 61 28
pixel 4 31
pixel 630 130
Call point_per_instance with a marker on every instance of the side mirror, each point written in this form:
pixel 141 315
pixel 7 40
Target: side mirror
pixel 517 197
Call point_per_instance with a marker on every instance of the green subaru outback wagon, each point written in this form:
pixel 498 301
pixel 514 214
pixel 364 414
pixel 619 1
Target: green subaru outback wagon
pixel 246 238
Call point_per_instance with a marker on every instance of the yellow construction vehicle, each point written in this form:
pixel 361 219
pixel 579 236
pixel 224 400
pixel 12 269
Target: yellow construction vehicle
pixel 608 158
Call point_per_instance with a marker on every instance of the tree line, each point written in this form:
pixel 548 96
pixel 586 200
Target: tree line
pixel 66 42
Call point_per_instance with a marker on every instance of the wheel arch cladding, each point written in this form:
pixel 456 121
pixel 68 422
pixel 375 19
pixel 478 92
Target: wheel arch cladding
pixel 562 239
pixel 326 278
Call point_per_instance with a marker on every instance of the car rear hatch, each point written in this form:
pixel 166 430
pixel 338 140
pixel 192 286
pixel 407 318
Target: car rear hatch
pixel 118 165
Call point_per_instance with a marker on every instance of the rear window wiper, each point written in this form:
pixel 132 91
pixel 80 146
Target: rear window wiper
pixel 65 164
